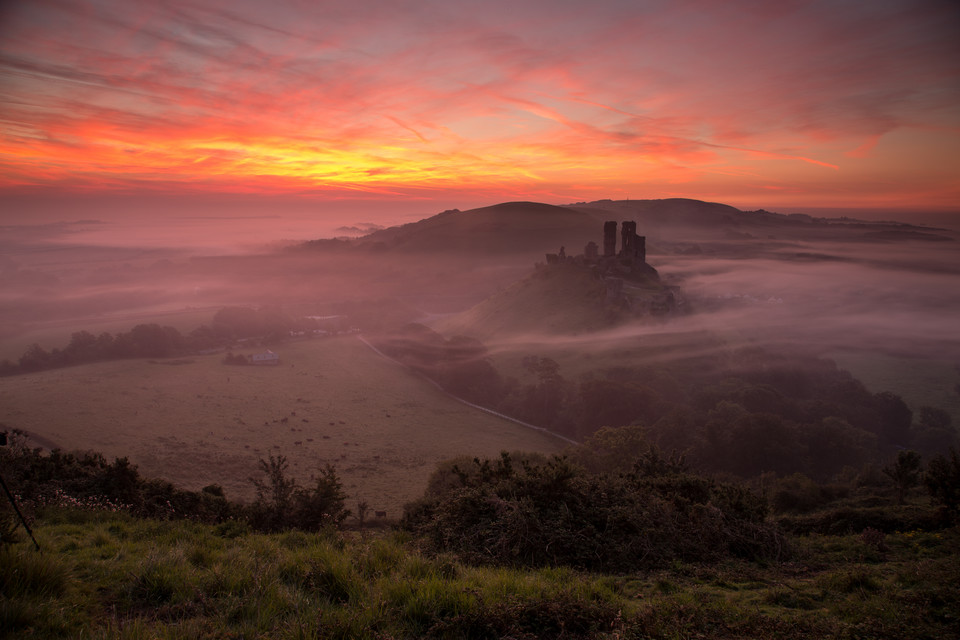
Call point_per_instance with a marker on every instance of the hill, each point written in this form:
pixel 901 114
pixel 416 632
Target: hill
pixel 511 227
pixel 677 220
pixel 665 212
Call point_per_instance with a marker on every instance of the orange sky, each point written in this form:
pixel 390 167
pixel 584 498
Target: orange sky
pixel 785 104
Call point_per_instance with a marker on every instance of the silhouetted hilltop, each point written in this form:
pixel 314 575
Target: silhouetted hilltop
pixel 680 219
pixel 669 211
pixel 510 227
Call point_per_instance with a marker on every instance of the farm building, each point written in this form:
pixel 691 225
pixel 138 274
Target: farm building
pixel 267 357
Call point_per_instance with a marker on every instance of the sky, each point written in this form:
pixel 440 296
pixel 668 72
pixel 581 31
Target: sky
pixel 789 105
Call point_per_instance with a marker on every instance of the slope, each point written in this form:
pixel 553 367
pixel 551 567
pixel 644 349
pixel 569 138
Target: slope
pixel 196 422
pixel 511 227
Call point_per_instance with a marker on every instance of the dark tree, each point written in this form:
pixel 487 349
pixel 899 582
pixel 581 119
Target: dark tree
pixel 905 473
pixel 274 494
pixel 323 505
pixel 34 358
pixel 895 419
pixel 943 480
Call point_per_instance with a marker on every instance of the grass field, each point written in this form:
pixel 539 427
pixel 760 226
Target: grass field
pixel 196 421
pixel 106 575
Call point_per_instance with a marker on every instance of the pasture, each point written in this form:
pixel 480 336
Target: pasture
pixel 195 421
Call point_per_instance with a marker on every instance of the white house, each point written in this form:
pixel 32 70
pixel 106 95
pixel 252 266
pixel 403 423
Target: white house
pixel 267 357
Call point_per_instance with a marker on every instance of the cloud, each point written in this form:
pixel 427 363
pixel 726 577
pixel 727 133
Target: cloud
pixel 409 96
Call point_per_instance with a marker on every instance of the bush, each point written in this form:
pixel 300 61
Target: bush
pixel 554 513
pixel 943 480
pixel 282 504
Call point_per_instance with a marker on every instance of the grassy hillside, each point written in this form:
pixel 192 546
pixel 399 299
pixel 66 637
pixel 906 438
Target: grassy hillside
pixel 195 421
pixel 512 227
pixel 107 575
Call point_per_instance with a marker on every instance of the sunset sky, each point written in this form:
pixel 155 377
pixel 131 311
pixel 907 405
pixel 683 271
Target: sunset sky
pixel 781 105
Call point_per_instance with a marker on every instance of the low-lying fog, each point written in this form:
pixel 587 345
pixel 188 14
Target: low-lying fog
pixel 898 296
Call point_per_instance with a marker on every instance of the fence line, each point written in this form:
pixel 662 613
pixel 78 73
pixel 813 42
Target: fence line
pixel 461 400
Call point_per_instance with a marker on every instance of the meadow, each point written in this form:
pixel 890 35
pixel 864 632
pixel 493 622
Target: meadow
pixel 195 421
pixel 106 575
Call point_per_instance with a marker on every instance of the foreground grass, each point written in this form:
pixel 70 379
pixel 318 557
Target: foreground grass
pixel 111 576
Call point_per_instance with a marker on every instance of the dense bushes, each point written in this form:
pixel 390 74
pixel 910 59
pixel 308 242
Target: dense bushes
pixel 87 481
pixel 555 513
pixel 282 504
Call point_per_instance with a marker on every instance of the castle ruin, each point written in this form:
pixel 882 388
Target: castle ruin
pixel 630 282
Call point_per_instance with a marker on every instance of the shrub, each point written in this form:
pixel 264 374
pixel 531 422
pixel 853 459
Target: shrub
pixel 554 513
pixel 282 504
pixel 905 473
pixel 943 480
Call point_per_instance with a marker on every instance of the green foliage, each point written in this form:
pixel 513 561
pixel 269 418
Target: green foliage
pixel 613 450
pixel 934 431
pixel 24 572
pixel 848 520
pixel 905 472
pixel 282 504
pixel 554 513
pixel 8 523
pixel 85 480
pixel 798 493
pixel 114 576
pixel 459 365
pixel 943 480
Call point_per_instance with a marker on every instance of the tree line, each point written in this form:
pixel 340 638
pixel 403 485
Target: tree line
pixel 746 411
pixel 152 340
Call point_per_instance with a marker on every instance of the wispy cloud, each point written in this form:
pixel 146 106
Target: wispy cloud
pixel 406 97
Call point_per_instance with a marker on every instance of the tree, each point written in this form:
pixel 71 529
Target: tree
pixel 275 495
pixel 321 506
pixel 154 341
pixel 34 358
pixel 610 403
pixel 905 473
pixel 82 347
pixel 943 480
pixel 934 431
pixel 544 401
pixel 895 419
pixel 281 503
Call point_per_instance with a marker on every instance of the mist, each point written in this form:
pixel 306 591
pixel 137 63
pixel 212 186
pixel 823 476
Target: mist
pixel 895 297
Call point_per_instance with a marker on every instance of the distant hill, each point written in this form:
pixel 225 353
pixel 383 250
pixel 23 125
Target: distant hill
pixel 681 219
pixel 510 227
pixel 531 229
pixel 670 211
